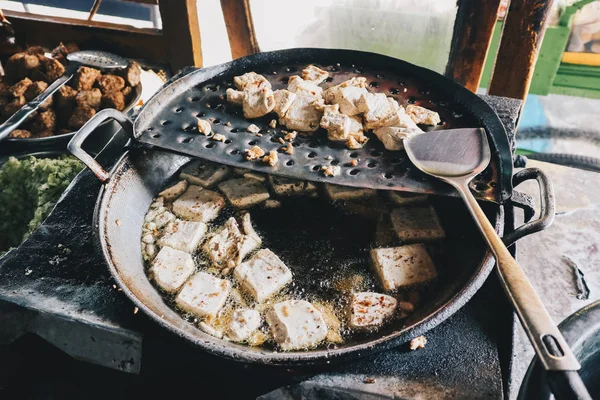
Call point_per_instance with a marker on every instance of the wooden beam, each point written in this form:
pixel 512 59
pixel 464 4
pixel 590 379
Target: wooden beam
pixel 522 36
pixel 127 41
pixel 473 29
pixel 240 28
pixel 182 33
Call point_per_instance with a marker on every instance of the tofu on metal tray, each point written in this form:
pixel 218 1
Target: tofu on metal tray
pixel 171 268
pixel 403 266
pixel 203 295
pixel 198 204
pixel 263 275
pixel 370 310
pixel 183 235
pixel 244 322
pixel 244 192
pixel 296 324
pixel 417 224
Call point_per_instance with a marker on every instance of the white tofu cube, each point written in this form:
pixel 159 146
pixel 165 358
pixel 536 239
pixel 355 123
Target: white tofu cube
pixel 393 137
pixel 421 115
pixel 417 224
pixel 263 275
pixel 404 266
pixel 257 102
pixel 173 192
pixel 183 235
pixel 314 74
pixel 286 186
pixel 244 323
pixel 228 247
pixel 300 86
pixel 204 173
pixel 159 216
pixel 171 268
pixel 198 204
pixel 283 101
pixel 377 108
pixel 296 324
pixel 337 125
pixel 302 115
pixel 347 94
pixel 370 310
pixel 203 295
pixel 244 192
pixel 337 192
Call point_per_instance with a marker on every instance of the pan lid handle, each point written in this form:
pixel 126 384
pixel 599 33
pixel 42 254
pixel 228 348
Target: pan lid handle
pixel 86 130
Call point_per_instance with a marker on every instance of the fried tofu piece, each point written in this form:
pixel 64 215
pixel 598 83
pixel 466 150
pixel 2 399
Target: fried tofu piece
pixel 272 158
pixel 85 78
pixel 244 322
pixel 54 69
pixel 80 116
pixel 347 95
pixel 173 192
pixel 370 310
pixel 286 186
pixel 171 268
pixel 257 102
pixel 89 98
pixel 114 100
pixel 338 192
pixel 298 85
pixel 111 83
pixel 337 125
pixel 228 247
pixel 183 235
pixel 243 192
pixel 204 173
pixel 263 275
pixel 198 204
pixel 44 121
pixel 203 295
pixel 418 343
pixel 403 266
pixel 302 115
pixel 421 115
pixel 250 80
pixel 65 96
pixel 19 88
pixel 283 101
pixel 159 216
pixel 132 74
pixel 377 109
pixel 296 324
pixel 393 137
pixel 314 74
pixel 34 90
pixel 20 134
pixel 235 96
pixel 406 199
pixel 417 224
pixel 13 106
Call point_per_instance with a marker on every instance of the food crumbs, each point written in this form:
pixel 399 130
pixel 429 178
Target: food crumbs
pixel 253 128
pixel 418 343
pixel 291 136
pixel 118 222
pixel 289 149
pixel 254 153
pixel 368 379
pixel 135 310
pixel 228 123
pixel 272 158
pixel 353 163
pixel 273 123
pixel 203 126
pixel 281 140
pixel 331 170
pixel 218 137
pixel 114 286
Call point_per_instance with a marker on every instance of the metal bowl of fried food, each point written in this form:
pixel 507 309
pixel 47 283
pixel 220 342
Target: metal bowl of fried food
pixel 30 72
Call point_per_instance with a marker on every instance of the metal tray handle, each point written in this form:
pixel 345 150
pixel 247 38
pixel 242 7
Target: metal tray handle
pixel 547 207
pixel 86 130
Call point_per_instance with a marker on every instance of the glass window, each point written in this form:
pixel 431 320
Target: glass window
pixel 418 31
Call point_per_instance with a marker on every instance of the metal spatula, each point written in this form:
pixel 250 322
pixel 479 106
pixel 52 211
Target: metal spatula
pixel 98 59
pixel 456 156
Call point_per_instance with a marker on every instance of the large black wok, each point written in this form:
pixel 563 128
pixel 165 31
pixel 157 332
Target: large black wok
pixel 133 182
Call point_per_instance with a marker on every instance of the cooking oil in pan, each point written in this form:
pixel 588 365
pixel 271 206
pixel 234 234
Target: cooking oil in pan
pixel 326 245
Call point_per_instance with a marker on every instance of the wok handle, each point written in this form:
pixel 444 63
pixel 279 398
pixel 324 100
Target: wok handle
pixel 86 130
pixel 549 344
pixel 547 207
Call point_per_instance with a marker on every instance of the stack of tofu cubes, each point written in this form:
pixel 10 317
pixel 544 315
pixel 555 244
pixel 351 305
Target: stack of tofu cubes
pixel 181 232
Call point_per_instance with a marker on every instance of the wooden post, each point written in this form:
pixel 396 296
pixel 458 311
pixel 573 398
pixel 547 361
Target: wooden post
pixel 522 36
pixel 240 28
pixel 182 33
pixel 473 29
